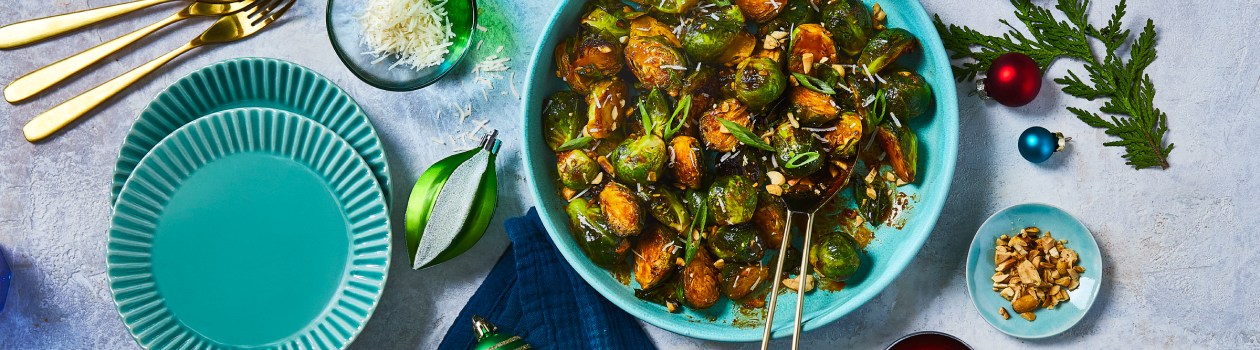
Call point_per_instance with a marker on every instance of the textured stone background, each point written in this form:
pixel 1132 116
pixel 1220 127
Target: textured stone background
pixel 1180 258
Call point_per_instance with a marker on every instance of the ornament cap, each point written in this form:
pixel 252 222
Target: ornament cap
pixel 482 327
pixel 1062 141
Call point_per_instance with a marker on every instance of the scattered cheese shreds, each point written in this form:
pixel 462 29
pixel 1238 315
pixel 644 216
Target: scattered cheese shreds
pixel 415 32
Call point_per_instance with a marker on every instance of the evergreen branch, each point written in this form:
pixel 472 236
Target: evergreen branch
pixel 1126 89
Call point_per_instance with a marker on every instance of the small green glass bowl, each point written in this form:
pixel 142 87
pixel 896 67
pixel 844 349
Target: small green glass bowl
pixel 347 39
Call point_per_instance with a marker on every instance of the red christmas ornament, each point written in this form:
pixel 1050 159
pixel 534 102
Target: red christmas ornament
pixel 1013 80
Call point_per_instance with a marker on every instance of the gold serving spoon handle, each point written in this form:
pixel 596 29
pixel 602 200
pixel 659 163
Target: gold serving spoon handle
pixel 40 80
pixel 32 31
pixel 227 29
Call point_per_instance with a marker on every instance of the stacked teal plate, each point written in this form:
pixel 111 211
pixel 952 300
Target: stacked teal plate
pixel 251 211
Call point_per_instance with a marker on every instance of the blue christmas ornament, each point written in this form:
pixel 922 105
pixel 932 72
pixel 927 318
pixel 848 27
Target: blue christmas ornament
pixel 5 277
pixel 1037 144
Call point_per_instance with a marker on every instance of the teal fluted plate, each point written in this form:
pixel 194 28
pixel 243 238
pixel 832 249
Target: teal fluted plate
pixel 252 82
pixel 249 228
pixel 1061 225
pixel 887 256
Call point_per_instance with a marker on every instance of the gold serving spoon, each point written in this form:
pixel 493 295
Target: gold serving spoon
pixel 40 80
pixel 226 29
pixel 32 31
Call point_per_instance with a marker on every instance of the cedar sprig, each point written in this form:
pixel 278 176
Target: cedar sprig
pixel 1128 114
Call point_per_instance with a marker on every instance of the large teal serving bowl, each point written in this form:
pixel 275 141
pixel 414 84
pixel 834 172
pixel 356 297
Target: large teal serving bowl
pixel 888 254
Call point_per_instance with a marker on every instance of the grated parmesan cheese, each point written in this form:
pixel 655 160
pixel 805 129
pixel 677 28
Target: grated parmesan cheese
pixel 415 32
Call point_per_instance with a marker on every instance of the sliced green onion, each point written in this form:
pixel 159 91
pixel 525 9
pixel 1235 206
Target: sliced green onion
pixel 648 124
pixel 694 244
pixel 813 83
pixel 575 144
pixel 676 123
pixel 801 160
pixel 744 135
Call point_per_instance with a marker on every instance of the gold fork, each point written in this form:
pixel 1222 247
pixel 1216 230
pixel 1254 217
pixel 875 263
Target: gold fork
pixel 227 29
pixel 28 32
pixel 40 80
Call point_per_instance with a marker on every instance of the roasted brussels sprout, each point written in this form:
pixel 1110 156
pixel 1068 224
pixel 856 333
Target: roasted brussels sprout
pixel 564 54
pixel 667 207
pixel 650 27
pixel 759 82
pixel 812 108
pixel 796 151
pixel 732 200
pixel 700 282
pixel 605 24
pixel 740 49
pixel 686 161
pixel 885 47
pixel 843 140
pixel 902 148
pixel 592 234
pixel 596 56
pixel 760 10
pixel 563 118
pixel 605 104
pixel 811 44
pixel 696 202
pixel 711 128
pixel 711 30
pixel 908 95
pixel 577 170
pixel 740 281
pixel 770 219
pixel 794 13
pixel 736 243
pixel 622 211
pixel 657 64
pixel 849 22
pixel 639 160
pixel 655 252
pixel 835 256
pixel 657 109
pixel 874 195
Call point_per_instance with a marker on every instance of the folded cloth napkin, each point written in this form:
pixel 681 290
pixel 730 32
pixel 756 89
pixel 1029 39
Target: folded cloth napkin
pixel 533 293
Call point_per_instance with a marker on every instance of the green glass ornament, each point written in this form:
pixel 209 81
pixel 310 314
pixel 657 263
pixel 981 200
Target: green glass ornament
pixel 452 204
pixel 488 337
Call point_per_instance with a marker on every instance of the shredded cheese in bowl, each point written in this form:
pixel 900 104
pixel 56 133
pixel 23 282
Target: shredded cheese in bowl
pixel 415 32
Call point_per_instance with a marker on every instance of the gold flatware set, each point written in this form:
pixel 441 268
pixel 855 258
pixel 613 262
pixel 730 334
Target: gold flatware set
pixel 238 19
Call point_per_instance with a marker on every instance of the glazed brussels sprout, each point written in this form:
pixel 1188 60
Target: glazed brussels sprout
pixel 759 82
pixel 648 26
pixel 874 195
pixel 902 148
pixel 700 282
pixel 760 10
pixel 655 253
pixel 812 108
pixel 711 129
pixel 741 281
pixel 770 219
pixel 657 112
pixel 796 150
pixel 850 25
pixel 563 118
pixel 577 170
pixel 908 95
pixel 605 24
pixel 657 64
pixel 811 44
pixel 667 207
pixel 685 161
pixel 604 108
pixel 835 256
pixel 885 47
pixel 596 56
pixel 740 49
pixel 732 200
pixel 843 140
pixel 736 243
pixel 592 234
pixel 621 210
pixel 564 54
pixel 711 30
pixel 794 13
pixel 639 160
pixel 697 201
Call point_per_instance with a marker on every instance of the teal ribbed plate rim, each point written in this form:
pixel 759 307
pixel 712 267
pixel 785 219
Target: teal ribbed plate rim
pixel 252 82
pixel 889 254
pixel 138 215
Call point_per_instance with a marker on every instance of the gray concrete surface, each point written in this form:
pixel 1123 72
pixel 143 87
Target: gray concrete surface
pixel 1179 253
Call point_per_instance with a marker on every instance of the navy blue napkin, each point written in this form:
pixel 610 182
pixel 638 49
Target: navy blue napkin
pixel 533 293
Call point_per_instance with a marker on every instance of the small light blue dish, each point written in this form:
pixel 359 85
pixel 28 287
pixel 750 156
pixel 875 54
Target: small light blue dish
pixel 249 228
pixel 1060 225
pixel 887 256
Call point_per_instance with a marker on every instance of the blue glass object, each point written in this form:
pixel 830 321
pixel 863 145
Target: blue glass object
pixel 5 276
pixel 1037 144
